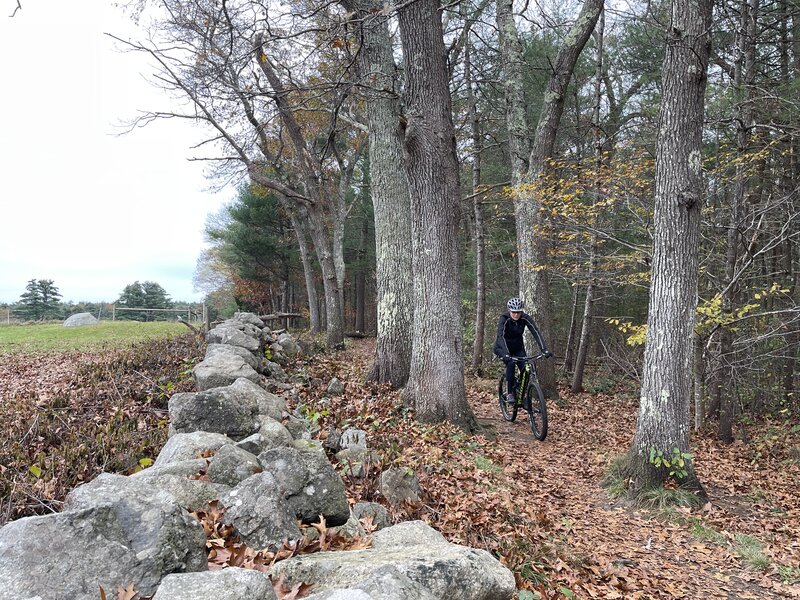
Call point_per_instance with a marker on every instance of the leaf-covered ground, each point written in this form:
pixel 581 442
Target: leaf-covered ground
pixel 539 507
pixel 66 417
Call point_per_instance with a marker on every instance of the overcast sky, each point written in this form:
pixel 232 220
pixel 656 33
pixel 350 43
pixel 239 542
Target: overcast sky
pixel 80 205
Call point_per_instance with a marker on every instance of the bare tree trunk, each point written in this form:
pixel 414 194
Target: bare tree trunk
pixel 390 198
pixel 792 340
pixel 301 232
pixel 588 319
pixel 334 323
pixel 361 279
pixel 663 424
pixel 326 243
pixel 743 80
pixel 569 350
pixel 791 171
pixel 532 259
pixel 698 381
pixel 591 285
pixel 477 207
pixel 435 385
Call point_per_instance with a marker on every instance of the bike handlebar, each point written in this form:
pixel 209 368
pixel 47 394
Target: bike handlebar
pixel 524 358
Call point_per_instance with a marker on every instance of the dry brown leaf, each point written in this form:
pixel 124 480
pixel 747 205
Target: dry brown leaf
pixel 126 593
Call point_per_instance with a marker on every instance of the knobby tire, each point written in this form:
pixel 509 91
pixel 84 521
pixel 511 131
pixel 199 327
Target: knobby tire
pixel 537 411
pixel 509 411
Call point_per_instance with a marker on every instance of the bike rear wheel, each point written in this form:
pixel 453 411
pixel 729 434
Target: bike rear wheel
pixel 509 410
pixel 537 411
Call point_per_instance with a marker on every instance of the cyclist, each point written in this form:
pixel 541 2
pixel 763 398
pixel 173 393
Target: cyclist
pixel 509 342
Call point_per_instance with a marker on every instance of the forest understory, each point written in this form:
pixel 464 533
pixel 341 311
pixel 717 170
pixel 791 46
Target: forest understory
pixel 538 506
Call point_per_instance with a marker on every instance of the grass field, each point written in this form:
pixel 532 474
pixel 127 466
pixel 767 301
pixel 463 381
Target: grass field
pixel 54 337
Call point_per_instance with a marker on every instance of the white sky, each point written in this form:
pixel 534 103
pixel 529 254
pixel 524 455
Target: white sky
pixel 84 207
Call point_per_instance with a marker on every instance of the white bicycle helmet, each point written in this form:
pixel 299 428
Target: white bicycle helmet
pixel 515 304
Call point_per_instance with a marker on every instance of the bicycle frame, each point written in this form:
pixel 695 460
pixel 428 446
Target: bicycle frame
pixel 528 371
pixel 524 386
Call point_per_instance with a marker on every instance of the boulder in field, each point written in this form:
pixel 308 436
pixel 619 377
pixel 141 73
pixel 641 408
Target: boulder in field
pixel 80 320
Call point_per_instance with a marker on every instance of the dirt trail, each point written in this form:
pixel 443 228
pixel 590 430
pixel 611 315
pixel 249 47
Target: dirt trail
pixel 612 551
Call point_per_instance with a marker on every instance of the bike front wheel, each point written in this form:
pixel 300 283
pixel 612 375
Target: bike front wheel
pixel 537 411
pixel 509 410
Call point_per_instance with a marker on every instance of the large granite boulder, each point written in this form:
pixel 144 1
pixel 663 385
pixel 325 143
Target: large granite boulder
pixel 115 531
pixel 232 465
pixel 222 368
pixel 164 535
pixel 386 583
pixel 217 410
pixel 310 484
pixel 187 446
pixel 80 320
pixel 268 403
pixel 68 555
pixel 191 494
pixel 248 317
pixel 180 479
pixel 232 583
pixel 259 513
pixel 418 553
pixel 235 337
pixel 249 357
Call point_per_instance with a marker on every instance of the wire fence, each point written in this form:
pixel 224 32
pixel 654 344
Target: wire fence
pixel 191 314
pixel 9 316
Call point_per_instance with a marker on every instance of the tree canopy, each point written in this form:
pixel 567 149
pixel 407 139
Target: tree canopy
pixel 147 294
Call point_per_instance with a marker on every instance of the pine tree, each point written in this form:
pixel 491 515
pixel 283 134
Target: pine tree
pixel 31 304
pixel 41 300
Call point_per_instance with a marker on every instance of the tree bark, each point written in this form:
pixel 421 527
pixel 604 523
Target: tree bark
pixel 569 353
pixel 594 245
pixel 435 385
pixel 663 423
pixel 587 322
pixel 743 81
pixel 477 208
pixel 534 285
pixel 698 381
pixel 390 197
pixel 300 229
pixel 318 197
pixel 361 279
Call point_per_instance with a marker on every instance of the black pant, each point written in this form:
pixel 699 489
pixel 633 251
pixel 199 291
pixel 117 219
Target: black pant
pixel 511 371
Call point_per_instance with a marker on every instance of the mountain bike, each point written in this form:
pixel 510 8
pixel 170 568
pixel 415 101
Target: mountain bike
pixel 527 394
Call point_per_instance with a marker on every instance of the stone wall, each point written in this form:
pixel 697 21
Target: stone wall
pixel 234 442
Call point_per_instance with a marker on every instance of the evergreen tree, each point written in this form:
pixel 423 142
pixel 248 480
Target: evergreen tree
pixel 31 305
pixel 41 299
pixel 148 294
pixel 51 298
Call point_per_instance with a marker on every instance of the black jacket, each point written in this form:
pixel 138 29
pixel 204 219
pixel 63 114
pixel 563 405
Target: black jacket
pixel 509 335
